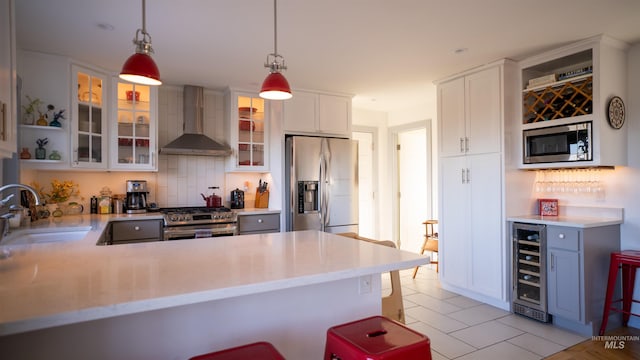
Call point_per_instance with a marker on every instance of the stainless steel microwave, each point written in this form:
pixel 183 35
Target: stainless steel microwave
pixel 562 143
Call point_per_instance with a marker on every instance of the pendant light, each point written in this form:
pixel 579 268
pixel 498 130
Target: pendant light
pixel 275 86
pixel 140 67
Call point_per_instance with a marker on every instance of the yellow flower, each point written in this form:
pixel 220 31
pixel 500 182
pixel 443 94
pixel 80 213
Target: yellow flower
pixel 60 192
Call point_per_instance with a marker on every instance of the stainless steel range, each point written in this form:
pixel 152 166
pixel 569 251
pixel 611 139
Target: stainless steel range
pixel 197 222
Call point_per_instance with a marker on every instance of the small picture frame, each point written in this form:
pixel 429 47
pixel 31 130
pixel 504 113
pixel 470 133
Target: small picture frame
pixel 548 207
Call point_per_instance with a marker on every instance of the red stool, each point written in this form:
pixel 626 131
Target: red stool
pixel 376 338
pixel 256 351
pixel 630 261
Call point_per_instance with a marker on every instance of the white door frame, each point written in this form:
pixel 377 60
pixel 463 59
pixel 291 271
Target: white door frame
pixel 374 181
pixel 395 173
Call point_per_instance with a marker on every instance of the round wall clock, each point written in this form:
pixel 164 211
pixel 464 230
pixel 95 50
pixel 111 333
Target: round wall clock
pixel 616 112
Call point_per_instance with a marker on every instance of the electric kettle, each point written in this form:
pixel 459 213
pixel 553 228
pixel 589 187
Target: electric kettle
pixel 237 199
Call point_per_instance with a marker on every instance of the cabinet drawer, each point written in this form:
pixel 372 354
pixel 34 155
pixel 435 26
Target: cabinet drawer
pixel 563 238
pixel 136 229
pixel 263 222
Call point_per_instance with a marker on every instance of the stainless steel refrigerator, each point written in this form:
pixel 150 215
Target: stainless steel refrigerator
pixel 321 176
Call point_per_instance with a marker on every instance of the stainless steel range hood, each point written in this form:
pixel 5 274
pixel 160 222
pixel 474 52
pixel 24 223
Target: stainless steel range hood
pixel 193 141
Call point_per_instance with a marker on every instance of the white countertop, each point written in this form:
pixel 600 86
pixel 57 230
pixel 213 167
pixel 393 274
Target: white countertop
pixel 577 216
pixel 572 221
pixel 52 284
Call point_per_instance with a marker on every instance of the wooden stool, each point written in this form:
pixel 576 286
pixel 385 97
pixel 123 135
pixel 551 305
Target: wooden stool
pixel 629 260
pixel 256 351
pixel 430 243
pixel 376 338
pixel 392 305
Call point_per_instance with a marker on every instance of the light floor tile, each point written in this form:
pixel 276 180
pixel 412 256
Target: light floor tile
pixel 443 344
pixel 546 331
pixel 435 319
pixel 479 314
pixel 535 344
pixel 463 302
pixel 499 351
pixel 432 303
pixel 486 334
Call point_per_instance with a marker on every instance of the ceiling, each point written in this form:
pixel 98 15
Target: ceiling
pixel 386 53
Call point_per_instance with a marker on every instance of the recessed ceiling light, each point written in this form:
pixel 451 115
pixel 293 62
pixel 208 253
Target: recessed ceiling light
pixel 105 27
pixel 460 50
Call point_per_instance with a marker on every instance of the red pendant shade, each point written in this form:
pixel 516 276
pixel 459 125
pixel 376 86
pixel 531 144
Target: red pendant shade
pixel 275 87
pixel 140 68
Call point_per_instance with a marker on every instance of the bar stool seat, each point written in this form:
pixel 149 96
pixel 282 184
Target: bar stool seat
pixel 256 351
pixel 629 261
pixel 376 338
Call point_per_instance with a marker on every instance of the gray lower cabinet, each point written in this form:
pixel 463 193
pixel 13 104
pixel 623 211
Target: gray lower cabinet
pixel 133 231
pixel 258 223
pixel 577 268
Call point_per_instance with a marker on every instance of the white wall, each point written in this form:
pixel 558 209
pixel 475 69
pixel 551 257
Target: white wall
pixel 379 120
pixel 383 121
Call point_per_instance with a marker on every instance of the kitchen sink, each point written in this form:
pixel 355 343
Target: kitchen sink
pixel 27 237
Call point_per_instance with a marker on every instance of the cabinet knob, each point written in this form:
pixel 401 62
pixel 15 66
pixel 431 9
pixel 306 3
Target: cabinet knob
pixel 136 228
pixel 259 221
pixel 561 236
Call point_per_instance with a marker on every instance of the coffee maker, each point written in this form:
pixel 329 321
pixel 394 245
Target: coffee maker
pixel 136 196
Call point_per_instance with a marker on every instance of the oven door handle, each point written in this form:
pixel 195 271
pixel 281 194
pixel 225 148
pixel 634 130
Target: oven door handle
pixel 170 233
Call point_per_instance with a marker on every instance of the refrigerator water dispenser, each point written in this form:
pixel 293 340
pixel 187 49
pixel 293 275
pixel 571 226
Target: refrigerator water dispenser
pixel 307 196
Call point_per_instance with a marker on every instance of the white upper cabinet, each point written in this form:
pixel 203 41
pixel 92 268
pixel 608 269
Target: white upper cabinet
pixel 248 124
pixel 317 113
pixel 7 80
pixel 133 136
pixel 471 107
pixel 575 84
pixel 89 103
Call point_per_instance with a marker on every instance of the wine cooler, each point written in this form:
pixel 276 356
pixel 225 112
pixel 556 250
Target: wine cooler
pixel 529 295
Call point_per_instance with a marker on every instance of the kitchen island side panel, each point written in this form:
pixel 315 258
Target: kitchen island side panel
pixel 294 320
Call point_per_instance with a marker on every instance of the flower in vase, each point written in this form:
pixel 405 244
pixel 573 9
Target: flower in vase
pixel 42 142
pixel 60 191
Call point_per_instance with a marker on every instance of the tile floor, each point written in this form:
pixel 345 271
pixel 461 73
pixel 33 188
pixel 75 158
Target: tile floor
pixel 462 328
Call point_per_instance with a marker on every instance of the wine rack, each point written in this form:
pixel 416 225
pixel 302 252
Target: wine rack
pixel 559 100
pixel 529 279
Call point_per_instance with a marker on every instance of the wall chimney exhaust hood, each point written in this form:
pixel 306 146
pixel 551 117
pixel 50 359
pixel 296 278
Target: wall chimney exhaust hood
pixel 193 141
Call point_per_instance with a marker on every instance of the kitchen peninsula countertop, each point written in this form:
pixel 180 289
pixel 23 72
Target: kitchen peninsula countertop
pixel 52 284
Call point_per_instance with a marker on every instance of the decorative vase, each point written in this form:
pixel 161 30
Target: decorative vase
pixel 55 123
pixel 28 118
pixel 41 153
pixel 54 210
pixel 42 121
pixel 55 155
pixel 25 154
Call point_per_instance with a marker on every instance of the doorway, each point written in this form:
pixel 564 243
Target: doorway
pixel 412 183
pixel 367 181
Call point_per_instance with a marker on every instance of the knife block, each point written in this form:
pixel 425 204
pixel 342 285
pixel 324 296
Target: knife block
pixel 262 199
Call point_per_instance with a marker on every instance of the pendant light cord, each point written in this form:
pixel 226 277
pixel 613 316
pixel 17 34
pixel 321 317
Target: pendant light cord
pixel 144 17
pixel 275 28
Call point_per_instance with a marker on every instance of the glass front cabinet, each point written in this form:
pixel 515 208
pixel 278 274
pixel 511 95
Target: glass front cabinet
pixel 133 140
pixel 89 130
pixel 248 126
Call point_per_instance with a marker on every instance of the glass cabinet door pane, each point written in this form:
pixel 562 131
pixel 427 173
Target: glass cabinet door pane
pixel 250 131
pixel 89 117
pixel 96 120
pixel 96 145
pixel 83 118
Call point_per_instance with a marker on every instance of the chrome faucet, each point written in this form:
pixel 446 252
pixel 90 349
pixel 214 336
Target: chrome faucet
pixel 25 187
pixel 4 210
